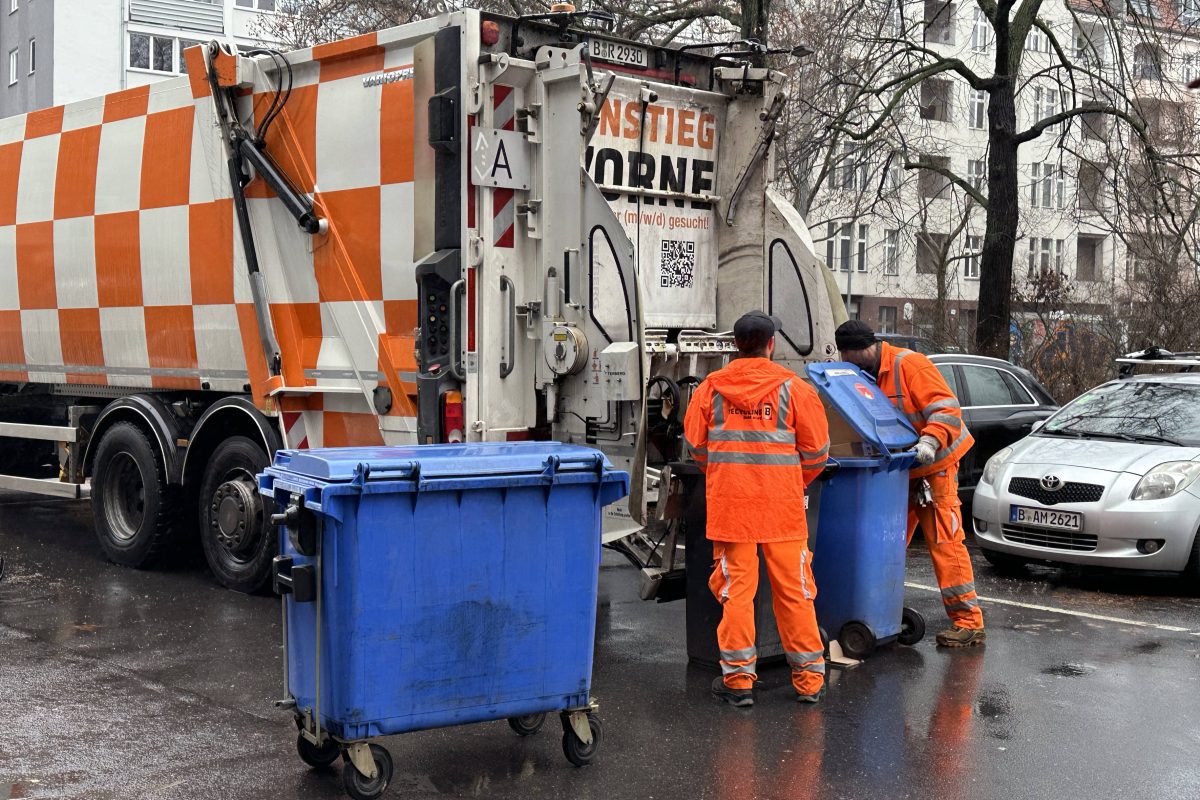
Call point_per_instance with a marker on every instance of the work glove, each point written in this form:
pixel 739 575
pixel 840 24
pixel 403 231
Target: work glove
pixel 926 450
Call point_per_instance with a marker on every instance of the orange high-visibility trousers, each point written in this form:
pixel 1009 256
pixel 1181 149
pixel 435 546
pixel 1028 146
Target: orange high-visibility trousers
pixel 941 522
pixel 734 582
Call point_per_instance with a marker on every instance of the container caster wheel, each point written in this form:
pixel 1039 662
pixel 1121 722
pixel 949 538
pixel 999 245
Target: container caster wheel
pixel 824 642
pixel 318 756
pixel 912 627
pixel 577 752
pixel 358 785
pixel 527 725
pixel 857 640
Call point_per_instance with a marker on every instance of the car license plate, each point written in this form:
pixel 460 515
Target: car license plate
pixel 1045 518
pixel 620 53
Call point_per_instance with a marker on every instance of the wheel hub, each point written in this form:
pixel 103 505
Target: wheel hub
pixel 236 509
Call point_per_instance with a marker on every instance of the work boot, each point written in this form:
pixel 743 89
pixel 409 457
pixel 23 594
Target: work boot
pixel 739 698
pixel 813 698
pixel 961 637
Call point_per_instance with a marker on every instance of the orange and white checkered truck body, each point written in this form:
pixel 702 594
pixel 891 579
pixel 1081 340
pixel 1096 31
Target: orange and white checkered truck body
pixel 121 263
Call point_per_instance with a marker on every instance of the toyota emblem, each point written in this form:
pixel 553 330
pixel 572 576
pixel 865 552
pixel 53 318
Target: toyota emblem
pixel 1052 483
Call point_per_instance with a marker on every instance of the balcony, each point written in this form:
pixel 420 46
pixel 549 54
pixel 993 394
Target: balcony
pixel 204 16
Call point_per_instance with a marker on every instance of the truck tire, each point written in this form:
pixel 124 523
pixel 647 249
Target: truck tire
pixel 137 513
pixel 235 529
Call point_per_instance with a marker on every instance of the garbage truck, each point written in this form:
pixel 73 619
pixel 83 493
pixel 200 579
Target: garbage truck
pixel 467 228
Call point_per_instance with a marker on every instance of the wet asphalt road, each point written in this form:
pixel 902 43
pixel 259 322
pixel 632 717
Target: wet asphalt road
pixel 123 684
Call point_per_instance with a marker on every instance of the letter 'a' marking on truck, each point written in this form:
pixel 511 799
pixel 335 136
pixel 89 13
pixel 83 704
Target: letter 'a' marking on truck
pixel 503 204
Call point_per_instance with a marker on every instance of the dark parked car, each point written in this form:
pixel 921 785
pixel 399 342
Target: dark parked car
pixel 1000 402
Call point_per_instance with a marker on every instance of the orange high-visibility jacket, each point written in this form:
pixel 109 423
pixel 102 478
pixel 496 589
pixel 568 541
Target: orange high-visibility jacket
pixel 759 433
pixel 917 388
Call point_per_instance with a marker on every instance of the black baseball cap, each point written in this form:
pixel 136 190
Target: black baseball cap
pixel 854 334
pixel 753 330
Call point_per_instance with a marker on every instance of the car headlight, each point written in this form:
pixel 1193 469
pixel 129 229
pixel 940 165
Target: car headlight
pixel 994 463
pixel 1166 480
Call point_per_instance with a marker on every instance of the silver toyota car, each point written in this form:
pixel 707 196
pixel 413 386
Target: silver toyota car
pixel 1109 480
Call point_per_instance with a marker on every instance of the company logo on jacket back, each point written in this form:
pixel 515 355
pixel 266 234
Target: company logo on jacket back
pixel 762 411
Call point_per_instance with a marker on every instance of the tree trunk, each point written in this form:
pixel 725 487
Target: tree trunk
pixel 1000 234
pixel 755 18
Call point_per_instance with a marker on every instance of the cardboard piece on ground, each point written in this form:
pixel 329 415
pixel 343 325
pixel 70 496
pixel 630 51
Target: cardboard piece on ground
pixel 839 659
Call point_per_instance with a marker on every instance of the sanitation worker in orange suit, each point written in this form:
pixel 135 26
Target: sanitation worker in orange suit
pixel 760 434
pixel 917 388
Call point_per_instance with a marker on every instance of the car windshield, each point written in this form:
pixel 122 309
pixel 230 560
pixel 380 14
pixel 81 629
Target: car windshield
pixel 1166 413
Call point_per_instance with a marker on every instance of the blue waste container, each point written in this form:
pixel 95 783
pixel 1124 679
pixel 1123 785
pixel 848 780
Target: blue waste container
pixel 436 585
pixel 858 558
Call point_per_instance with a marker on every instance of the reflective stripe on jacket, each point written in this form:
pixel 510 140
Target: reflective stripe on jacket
pixel 918 389
pixel 760 434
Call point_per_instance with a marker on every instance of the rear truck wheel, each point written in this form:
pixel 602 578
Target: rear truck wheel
pixel 137 514
pixel 857 640
pixel 1003 562
pixel 316 756
pixel 912 627
pixel 235 529
pixel 574 748
pixel 358 785
pixel 527 725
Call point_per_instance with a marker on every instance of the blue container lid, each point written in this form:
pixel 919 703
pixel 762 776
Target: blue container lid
pixel 863 404
pixel 466 460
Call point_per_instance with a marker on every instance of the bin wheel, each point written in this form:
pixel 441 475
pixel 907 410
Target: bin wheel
pixel 912 627
pixel 527 725
pixel 574 749
pixel 857 640
pixel 359 786
pixel 318 757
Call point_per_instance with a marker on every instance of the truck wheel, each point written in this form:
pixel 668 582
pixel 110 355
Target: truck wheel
pixel 234 518
pixel 136 512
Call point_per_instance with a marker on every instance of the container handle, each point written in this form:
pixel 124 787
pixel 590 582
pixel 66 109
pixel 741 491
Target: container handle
pixel 364 472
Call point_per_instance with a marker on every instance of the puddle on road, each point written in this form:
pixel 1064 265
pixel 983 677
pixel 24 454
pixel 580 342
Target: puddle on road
pixel 1145 648
pixel 1068 670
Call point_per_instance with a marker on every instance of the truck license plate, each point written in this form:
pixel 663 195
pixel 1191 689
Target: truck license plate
pixel 1045 518
pixel 620 53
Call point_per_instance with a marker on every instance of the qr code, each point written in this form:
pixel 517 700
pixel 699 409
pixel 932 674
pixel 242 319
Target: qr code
pixel 677 267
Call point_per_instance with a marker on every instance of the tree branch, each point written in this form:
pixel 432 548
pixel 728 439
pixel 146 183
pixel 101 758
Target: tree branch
pixel 971 191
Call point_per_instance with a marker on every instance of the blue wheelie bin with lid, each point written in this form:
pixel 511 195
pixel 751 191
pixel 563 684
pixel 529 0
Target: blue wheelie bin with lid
pixel 858 557
pixel 437 585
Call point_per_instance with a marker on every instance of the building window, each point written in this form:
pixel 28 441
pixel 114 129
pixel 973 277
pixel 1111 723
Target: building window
pixel 1190 10
pixel 981 31
pixel 842 249
pixel 1087 258
pixel 1036 41
pixel 1095 124
pixel 934 183
pixel 974 252
pixel 852 168
pixel 158 53
pixel 1147 61
pixel 1046 191
pixel 1047 101
pixel 977 173
pixel 1142 8
pixel 261 5
pixel 32 55
pixel 939 22
pixel 895 170
pixel 935 99
pixel 12 67
pixel 1089 47
pixel 891 252
pixel 977 110
pixel 887 319
pixel 930 250
pixel 1044 255
pixel 1090 192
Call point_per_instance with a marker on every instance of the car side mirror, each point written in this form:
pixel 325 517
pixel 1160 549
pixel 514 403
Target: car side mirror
pixel 1037 426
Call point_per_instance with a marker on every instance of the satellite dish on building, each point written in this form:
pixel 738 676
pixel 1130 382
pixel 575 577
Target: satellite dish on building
pixel 908 312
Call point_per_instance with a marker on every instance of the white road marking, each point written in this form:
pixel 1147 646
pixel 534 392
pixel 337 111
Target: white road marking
pixel 1068 612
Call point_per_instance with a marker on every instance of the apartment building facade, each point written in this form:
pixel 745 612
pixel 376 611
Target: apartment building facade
pixel 60 51
pixel 893 258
